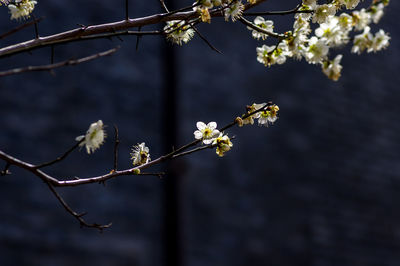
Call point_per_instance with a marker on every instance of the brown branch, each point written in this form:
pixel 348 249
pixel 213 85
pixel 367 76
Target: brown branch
pixel 138 39
pixel 159 174
pixel 126 9
pixel 116 148
pixel 205 40
pixel 36 27
pixel 23 26
pixel 164 6
pixel 50 67
pixel 210 146
pixel 279 13
pixel 76 215
pixel 255 27
pixel 101 179
pixel 62 157
pixel 104 30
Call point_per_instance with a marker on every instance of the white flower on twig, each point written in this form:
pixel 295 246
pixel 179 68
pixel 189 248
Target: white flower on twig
pixel 140 154
pixel 21 8
pixel 206 132
pixel 94 137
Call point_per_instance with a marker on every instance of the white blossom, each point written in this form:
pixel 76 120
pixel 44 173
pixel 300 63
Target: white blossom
pixel 270 55
pixel 234 11
pixel 332 68
pixel 361 19
pixel 350 4
pixel 268 116
pixel 267 25
pixel 178 32
pixel 317 50
pixel 250 109
pixel 362 41
pixel 206 132
pixel 21 8
pixel 346 22
pixel 223 144
pixel 331 32
pixel 377 12
pixel 94 137
pixel 379 42
pixel 140 154
pixel 323 12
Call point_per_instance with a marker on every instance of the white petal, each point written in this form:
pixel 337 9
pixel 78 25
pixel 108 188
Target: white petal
pixel 215 132
pixel 200 125
pixel 212 125
pixel 198 134
pixel 208 141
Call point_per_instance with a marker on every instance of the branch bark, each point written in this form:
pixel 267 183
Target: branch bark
pixel 105 30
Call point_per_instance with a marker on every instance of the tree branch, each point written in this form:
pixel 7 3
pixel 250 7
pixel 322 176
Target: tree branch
pixel 62 157
pixel 112 174
pixel 255 27
pixel 21 27
pixel 279 13
pixel 50 67
pixel 76 215
pixel 104 30
pixel 116 148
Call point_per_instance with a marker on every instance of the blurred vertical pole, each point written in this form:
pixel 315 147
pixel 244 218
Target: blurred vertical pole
pixel 172 244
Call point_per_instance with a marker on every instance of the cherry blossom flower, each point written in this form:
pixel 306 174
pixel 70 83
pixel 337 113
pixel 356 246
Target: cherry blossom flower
pixel 206 132
pixel 94 137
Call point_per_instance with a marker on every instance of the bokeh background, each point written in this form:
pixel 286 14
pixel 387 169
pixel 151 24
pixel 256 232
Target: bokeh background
pixel 319 188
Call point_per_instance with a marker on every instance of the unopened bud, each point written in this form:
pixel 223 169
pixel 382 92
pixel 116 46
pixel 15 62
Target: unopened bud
pixel 239 121
pixel 136 171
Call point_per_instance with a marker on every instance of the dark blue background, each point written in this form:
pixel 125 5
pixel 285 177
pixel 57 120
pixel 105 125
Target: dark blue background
pixel 320 187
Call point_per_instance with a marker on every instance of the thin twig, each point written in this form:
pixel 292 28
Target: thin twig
pixel 76 215
pixel 279 13
pixel 194 150
pixel 138 38
pixel 205 40
pixel 259 29
pixel 116 148
pixel 164 6
pixel 126 9
pixel 245 116
pixel 159 174
pixel 52 55
pixel 183 9
pixel 23 26
pixel 60 158
pixel 106 30
pixel 50 67
pixel 36 27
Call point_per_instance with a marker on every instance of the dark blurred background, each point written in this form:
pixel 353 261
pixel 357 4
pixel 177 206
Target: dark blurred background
pixel 319 188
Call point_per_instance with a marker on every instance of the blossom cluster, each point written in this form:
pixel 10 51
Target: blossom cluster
pixel 178 31
pixel 266 114
pixel 209 134
pixel 19 9
pixel 332 31
pixel 232 9
pixel 96 135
